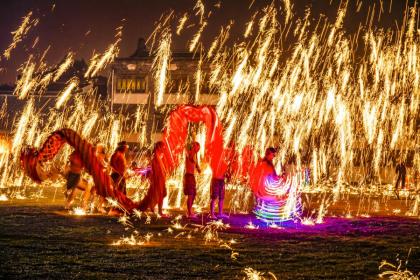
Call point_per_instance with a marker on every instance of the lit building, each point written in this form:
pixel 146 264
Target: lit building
pixel 132 89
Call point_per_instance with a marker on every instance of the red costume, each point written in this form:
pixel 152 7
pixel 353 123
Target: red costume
pixel 119 166
pixel 157 190
pixel 263 170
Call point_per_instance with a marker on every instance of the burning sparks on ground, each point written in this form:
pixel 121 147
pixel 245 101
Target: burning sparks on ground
pixel 397 272
pixel 307 222
pixel 124 220
pixel 134 240
pixel 78 211
pixel 252 274
pixel 250 225
pixel 3 197
pixel 396 211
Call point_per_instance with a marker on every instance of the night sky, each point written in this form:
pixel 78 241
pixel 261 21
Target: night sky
pixel 65 26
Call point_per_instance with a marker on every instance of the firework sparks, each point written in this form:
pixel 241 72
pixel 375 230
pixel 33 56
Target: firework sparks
pixel 78 211
pixel 321 104
pixel 26 83
pixel 99 62
pixel 20 33
pixel 196 38
pixel 68 62
pixel 22 126
pixel 252 274
pixel 65 94
pixel 181 24
pixel 133 240
pixel 199 9
pixel 161 64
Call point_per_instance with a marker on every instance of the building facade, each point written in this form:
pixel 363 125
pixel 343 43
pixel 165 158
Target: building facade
pixel 132 89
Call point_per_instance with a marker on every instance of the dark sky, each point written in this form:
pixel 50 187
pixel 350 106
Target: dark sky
pixel 65 27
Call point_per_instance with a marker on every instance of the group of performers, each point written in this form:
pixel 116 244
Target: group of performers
pixel 117 167
pixel 119 171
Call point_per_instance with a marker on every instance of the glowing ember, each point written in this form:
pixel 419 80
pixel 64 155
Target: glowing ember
pixel 250 225
pixel 396 211
pixel 133 240
pixel 307 222
pixel 78 211
pixel 4 148
pixel 252 274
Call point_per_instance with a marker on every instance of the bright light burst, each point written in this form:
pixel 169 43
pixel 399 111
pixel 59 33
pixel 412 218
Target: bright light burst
pixel 78 211
pixel 339 114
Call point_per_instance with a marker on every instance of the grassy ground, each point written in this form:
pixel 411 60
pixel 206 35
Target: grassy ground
pixel 37 241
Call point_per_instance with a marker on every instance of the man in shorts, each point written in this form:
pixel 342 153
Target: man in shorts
pixel 190 184
pixel 217 186
pixel 75 182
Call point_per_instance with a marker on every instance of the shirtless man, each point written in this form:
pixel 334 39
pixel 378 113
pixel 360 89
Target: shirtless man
pixel 75 181
pixel 190 184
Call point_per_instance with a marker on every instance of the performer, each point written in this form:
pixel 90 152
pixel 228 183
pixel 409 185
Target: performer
pixel 75 181
pixel 119 167
pixel 101 156
pixel 217 185
pixel 401 172
pixel 270 154
pixel 264 169
pixel 157 190
pixel 190 184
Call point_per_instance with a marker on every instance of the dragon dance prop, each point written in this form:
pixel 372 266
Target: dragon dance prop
pixel 32 161
pixel 176 132
pixel 277 197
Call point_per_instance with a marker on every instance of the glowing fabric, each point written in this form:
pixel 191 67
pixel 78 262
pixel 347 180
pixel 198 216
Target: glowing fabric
pixel 176 132
pixel 276 196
